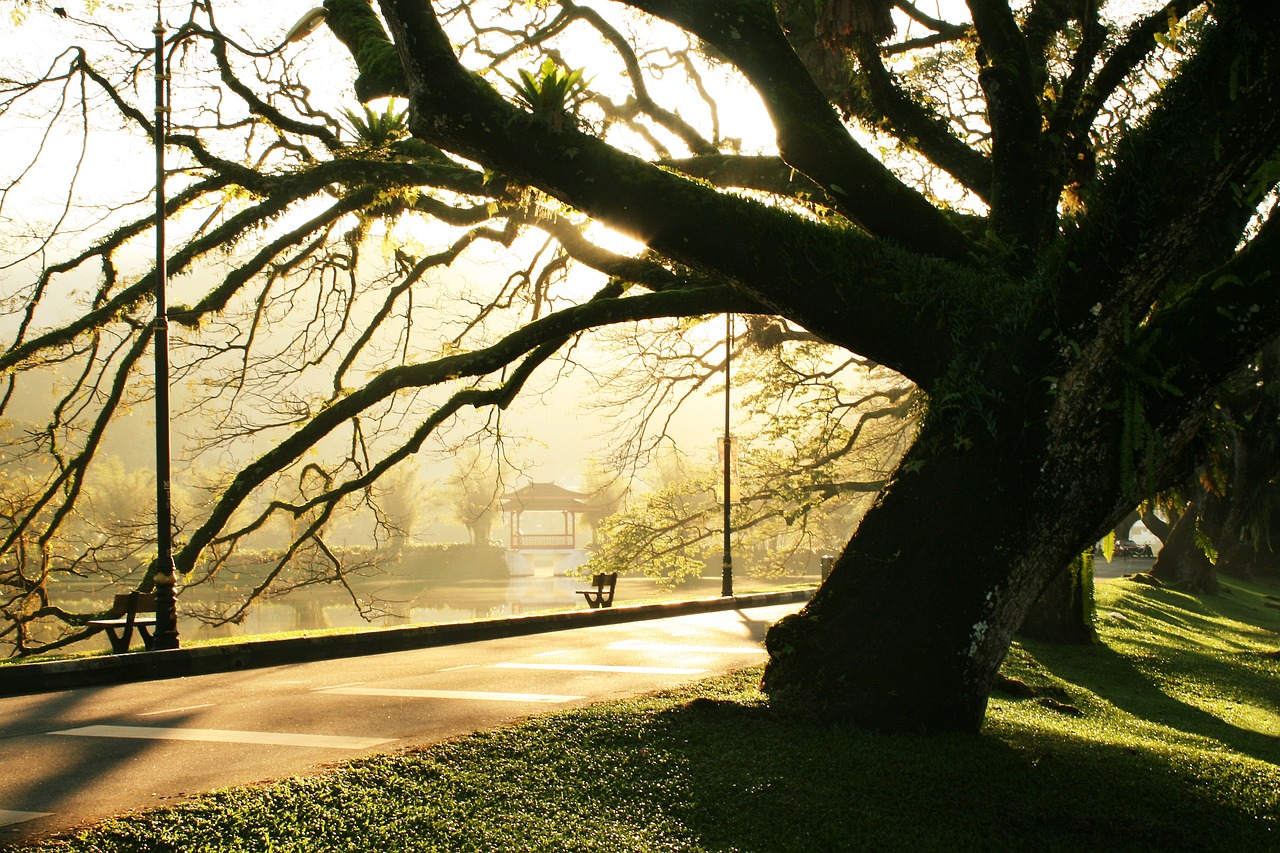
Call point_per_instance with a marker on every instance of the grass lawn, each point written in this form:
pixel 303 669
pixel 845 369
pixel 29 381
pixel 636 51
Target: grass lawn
pixel 1166 736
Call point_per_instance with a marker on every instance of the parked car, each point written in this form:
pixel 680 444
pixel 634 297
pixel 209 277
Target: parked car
pixel 1129 548
pixel 1125 548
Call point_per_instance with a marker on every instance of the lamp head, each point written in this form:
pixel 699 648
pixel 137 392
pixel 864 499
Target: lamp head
pixel 306 25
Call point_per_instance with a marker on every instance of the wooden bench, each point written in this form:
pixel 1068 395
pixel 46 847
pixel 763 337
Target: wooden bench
pixel 602 594
pixel 123 618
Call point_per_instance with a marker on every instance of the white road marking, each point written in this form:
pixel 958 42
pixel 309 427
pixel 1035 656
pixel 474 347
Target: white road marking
pixel 174 710
pixel 592 667
pixel 456 668
pixel 642 646
pixel 485 696
pixel 552 653
pixel 8 816
pixel 225 736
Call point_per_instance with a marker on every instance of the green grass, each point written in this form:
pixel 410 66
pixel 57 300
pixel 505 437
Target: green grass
pixel 1176 746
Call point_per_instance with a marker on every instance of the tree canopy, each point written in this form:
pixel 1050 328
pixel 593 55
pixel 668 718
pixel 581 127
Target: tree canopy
pixel 1054 217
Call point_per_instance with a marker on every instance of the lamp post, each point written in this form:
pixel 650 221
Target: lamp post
pixel 164 574
pixel 726 567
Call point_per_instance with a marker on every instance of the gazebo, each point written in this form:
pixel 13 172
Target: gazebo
pixel 542 522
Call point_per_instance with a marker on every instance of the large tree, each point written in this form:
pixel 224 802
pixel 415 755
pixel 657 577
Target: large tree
pixel 1053 218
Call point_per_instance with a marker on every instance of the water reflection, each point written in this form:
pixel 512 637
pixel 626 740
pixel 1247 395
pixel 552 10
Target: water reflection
pixel 411 601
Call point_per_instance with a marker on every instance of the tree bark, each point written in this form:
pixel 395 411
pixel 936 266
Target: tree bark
pixel 1064 611
pixel 1181 562
pixel 1158 526
pixel 954 577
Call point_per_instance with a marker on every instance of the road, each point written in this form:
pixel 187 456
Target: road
pixel 1121 566
pixel 78 756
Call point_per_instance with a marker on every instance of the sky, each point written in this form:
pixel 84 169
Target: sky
pixel 558 430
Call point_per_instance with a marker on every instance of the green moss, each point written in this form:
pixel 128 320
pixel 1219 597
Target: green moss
pixel 356 26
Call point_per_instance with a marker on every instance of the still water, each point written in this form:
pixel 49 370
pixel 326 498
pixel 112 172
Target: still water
pixel 392 600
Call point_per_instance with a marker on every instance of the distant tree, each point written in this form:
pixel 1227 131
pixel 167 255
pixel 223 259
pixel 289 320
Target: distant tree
pixel 606 490
pixel 473 491
pixel 398 506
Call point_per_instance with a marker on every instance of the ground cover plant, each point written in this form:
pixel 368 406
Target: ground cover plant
pixel 1165 735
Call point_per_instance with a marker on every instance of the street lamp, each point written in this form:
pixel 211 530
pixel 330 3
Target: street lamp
pixel 164 574
pixel 726 567
pixel 306 25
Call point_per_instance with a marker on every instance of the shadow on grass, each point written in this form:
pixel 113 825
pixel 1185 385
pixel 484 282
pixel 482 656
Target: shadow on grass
pixel 1167 648
pixel 708 775
pixel 707 778
pixel 762 784
pixel 1114 678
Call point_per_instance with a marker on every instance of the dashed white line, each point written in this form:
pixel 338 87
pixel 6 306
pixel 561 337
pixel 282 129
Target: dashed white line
pixel 481 695
pixel 642 646
pixel 225 736
pixel 456 668
pixel 174 710
pixel 593 667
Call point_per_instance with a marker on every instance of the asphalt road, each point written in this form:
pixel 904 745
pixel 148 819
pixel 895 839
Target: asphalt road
pixel 1120 566
pixel 77 756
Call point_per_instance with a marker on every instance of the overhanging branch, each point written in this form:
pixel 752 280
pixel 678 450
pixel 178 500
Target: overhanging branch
pixel 539 339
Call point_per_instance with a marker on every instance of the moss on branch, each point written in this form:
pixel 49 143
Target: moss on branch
pixel 356 26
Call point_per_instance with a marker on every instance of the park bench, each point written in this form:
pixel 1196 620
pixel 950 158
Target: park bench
pixel 602 593
pixel 123 618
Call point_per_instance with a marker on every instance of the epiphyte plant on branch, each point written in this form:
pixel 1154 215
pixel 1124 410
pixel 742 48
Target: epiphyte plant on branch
pixel 552 92
pixel 980 202
pixel 378 129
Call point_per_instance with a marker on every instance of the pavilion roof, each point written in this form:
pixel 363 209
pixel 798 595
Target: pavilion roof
pixel 545 497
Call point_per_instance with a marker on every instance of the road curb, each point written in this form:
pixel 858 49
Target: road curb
pixel 19 679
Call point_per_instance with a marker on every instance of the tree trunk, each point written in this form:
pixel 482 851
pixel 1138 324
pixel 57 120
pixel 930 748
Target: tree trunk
pixel 1064 611
pixel 911 626
pixel 480 528
pixel 1255 463
pixel 1181 562
pixel 1158 526
pixel 1237 561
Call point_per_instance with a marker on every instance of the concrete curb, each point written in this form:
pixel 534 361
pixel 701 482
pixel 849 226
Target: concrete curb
pixel 19 679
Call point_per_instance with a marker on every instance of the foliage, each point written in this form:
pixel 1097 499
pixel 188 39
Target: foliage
pixel 1173 707
pixel 669 535
pixel 820 431
pixel 378 129
pixel 552 92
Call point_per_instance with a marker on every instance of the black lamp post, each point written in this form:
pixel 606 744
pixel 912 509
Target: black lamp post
pixel 164 574
pixel 726 567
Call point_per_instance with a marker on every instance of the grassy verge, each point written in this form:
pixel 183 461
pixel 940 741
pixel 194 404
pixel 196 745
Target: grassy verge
pixel 1164 737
